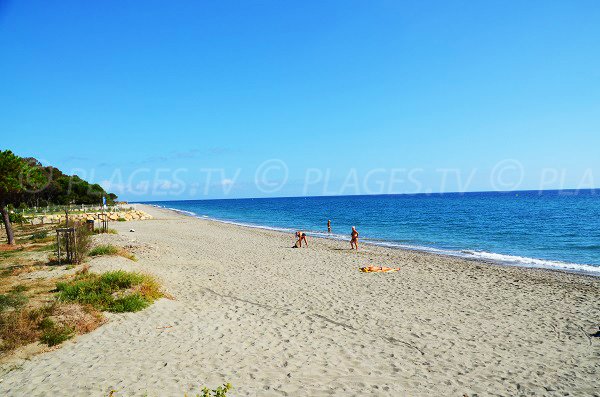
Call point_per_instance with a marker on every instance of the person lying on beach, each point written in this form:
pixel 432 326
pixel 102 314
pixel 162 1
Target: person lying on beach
pixel 354 239
pixel 378 269
pixel 301 236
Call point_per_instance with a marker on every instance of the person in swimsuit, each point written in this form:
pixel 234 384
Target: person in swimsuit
pixel 329 226
pixel 301 236
pixel 354 239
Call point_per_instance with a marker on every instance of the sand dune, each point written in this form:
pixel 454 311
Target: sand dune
pixel 277 321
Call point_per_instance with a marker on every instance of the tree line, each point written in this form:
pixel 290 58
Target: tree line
pixel 25 181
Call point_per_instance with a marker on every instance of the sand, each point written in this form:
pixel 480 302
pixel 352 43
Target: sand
pixel 277 321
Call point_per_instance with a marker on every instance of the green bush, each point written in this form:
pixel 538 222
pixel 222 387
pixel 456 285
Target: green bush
pixel 53 334
pixel 109 249
pixel 121 220
pixel 116 291
pixel 16 217
pixel 104 250
pixel 129 303
pixel 39 235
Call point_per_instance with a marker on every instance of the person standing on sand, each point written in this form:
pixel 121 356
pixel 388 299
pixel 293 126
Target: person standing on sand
pixel 354 239
pixel 329 226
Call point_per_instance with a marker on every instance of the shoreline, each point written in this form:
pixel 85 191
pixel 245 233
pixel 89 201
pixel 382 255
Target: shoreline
pixel 556 266
pixel 276 321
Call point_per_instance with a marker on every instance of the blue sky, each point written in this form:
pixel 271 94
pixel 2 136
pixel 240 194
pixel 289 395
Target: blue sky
pixel 197 99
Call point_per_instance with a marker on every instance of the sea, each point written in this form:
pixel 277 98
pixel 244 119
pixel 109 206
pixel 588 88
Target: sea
pixel 543 229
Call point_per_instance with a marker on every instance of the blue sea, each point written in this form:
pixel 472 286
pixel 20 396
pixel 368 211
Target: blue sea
pixel 549 229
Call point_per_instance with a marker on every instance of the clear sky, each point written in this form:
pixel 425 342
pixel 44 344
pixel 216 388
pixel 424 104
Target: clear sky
pixel 201 99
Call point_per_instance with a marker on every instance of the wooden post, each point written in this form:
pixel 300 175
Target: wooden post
pixel 58 244
pixel 74 254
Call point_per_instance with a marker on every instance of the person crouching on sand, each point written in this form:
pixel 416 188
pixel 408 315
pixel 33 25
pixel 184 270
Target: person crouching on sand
pixel 301 236
pixel 354 239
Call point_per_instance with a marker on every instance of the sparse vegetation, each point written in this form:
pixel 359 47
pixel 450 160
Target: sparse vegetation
pixel 51 324
pixel 220 391
pixel 39 235
pixel 12 300
pixel 53 334
pixel 109 231
pixel 35 310
pixel 108 249
pixel 83 242
pixel 19 288
pixel 117 291
pixel 18 328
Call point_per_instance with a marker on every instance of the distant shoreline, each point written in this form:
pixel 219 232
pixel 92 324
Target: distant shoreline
pixel 424 250
pixel 593 271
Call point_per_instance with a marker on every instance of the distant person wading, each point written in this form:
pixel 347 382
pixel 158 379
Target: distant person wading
pixel 354 239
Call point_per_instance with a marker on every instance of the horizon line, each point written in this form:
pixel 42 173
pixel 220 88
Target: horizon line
pixel 540 191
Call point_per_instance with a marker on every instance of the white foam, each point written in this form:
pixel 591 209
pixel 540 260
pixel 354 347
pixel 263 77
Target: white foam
pixel 533 262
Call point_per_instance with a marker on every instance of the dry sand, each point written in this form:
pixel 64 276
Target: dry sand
pixel 277 321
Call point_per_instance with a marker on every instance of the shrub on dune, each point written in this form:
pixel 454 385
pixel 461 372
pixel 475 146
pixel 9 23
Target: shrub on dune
pixel 117 291
pixel 109 249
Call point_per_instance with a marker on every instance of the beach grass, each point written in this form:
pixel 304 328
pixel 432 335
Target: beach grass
pixel 35 310
pixel 50 324
pixel 54 334
pixel 109 249
pixel 104 250
pixel 109 231
pixel 116 291
pixel 12 300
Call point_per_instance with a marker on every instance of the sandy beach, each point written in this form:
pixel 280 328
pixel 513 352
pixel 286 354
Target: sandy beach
pixel 276 321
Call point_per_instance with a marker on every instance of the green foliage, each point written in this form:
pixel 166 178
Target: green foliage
pixel 16 217
pixel 121 220
pixel 116 291
pixel 14 299
pixel 65 189
pixel 26 181
pixel 39 235
pixel 220 391
pixel 53 334
pixel 129 303
pixel 19 176
pixel 122 279
pixel 19 288
pixel 104 250
pixel 109 249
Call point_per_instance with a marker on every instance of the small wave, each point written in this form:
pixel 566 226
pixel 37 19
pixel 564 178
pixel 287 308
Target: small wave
pixel 532 262
pixel 190 213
